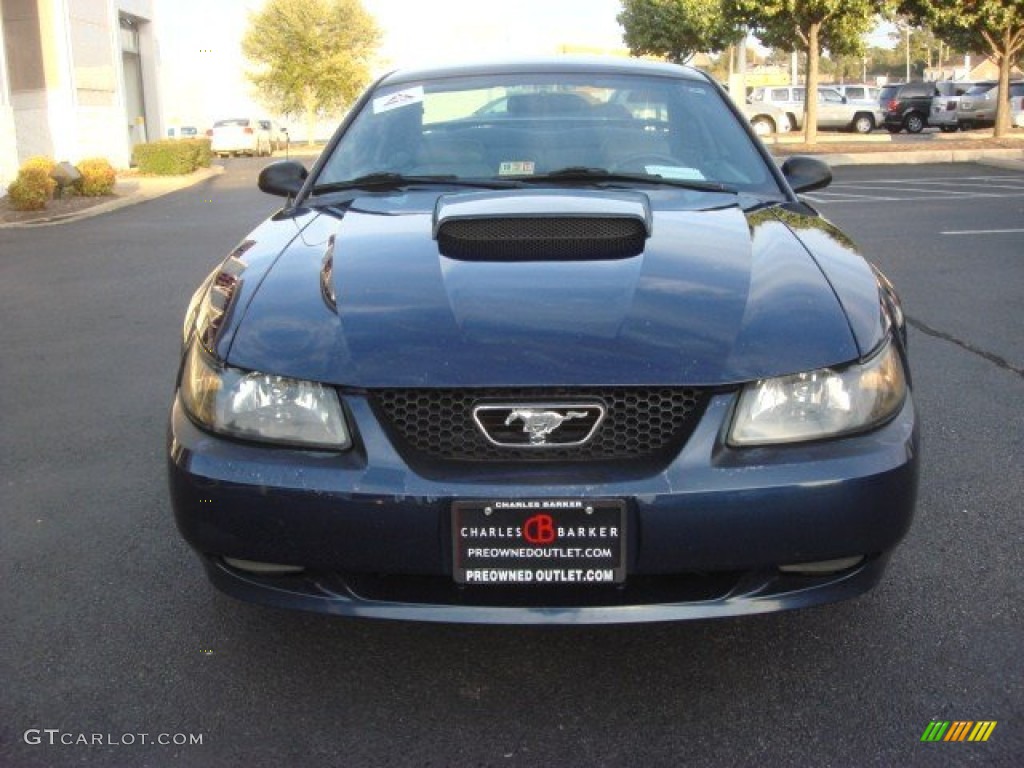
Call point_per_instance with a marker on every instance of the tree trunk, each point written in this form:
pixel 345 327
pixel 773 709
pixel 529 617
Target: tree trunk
pixel 309 102
pixel 811 90
pixel 1002 126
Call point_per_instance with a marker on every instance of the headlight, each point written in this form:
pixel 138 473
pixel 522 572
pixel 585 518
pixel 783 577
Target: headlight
pixel 820 404
pixel 261 407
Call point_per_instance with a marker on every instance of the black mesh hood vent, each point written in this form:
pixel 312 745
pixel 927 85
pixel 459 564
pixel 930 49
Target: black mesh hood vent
pixel 542 225
pixel 541 239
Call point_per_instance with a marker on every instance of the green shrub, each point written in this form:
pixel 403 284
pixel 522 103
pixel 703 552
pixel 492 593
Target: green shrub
pixel 204 155
pixel 31 189
pixel 98 177
pixel 166 158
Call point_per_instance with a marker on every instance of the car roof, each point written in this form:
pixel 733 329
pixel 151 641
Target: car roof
pixel 544 65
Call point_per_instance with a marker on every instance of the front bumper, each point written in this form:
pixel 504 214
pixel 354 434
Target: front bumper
pixel 705 536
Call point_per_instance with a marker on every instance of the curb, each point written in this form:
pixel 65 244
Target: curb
pixel 137 189
pixel 921 157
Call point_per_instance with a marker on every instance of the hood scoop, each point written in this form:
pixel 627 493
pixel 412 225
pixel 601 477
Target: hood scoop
pixel 542 225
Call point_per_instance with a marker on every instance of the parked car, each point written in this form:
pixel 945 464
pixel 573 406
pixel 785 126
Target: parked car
pixel 241 136
pixel 834 111
pixel 766 119
pixel 859 93
pixel 978 106
pixel 183 132
pixel 544 366
pixel 907 105
pixel 946 102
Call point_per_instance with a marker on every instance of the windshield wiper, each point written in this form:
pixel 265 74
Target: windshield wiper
pixel 389 180
pixel 588 174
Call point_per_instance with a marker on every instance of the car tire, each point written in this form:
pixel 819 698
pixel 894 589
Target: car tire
pixel 863 124
pixel 914 123
pixel 763 126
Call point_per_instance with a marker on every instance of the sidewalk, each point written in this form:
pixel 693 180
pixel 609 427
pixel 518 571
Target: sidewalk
pixel 128 190
pixel 880 148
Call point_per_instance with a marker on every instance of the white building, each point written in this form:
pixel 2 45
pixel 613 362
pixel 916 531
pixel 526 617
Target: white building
pixel 78 79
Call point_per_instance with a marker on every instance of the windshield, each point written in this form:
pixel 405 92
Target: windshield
pixel 521 128
pixel 981 88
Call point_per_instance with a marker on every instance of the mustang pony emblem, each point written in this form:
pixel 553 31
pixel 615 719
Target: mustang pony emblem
pixel 540 424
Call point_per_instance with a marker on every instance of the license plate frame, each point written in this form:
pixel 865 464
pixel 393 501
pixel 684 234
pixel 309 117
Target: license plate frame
pixel 546 542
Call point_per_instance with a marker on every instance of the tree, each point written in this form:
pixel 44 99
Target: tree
pixel 808 26
pixel 312 57
pixel 995 26
pixel 676 29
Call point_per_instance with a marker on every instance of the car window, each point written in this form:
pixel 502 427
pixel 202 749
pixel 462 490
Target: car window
pixel 889 92
pixel 830 95
pixel 525 125
pixel 239 121
pixel 979 89
pixel 265 125
pixel 854 92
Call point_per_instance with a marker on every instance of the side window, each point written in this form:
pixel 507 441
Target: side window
pixel 830 96
pixel 855 93
pixel 780 94
pixel 798 94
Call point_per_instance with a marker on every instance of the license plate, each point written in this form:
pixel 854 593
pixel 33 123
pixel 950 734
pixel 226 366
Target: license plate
pixel 531 542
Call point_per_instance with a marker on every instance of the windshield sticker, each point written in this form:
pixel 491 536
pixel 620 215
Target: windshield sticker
pixel 675 172
pixel 516 168
pixel 398 99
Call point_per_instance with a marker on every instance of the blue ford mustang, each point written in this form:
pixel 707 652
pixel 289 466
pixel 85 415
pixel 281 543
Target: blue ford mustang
pixel 544 341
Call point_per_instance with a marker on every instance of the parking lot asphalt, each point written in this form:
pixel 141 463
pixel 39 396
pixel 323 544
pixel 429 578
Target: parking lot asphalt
pixel 112 631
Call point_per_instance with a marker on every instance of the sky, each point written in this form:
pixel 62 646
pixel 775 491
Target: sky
pixel 202 67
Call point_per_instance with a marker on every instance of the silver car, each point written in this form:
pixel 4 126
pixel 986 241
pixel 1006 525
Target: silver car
pixel 766 119
pixel 834 110
pixel 946 103
pixel 978 105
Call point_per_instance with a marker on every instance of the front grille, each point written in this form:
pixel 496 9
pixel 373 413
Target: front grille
pixel 563 238
pixel 640 423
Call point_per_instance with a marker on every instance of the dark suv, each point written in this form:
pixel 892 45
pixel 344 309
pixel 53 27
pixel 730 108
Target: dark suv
pixel 907 105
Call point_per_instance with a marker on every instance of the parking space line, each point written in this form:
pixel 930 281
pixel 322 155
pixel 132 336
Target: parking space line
pixel 845 195
pixel 981 231
pixel 891 190
pixel 953 188
pixel 932 198
pixel 936 179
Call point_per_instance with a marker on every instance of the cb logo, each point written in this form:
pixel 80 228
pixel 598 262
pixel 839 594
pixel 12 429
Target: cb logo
pixel 539 530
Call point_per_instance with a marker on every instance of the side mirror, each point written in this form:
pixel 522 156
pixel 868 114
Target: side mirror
pixel 283 178
pixel 806 173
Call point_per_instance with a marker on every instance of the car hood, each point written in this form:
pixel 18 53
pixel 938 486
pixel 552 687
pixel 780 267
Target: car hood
pixel 717 296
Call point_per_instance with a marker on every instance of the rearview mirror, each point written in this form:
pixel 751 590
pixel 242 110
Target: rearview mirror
pixel 806 173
